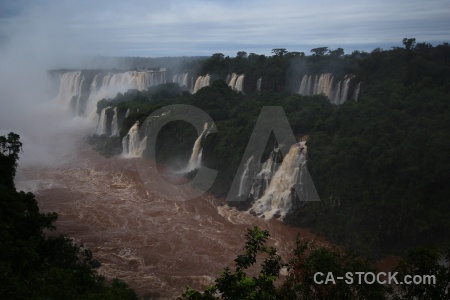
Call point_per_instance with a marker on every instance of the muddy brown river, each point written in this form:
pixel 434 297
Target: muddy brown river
pixel 141 231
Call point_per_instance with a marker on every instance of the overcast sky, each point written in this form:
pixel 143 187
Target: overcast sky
pixel 199 27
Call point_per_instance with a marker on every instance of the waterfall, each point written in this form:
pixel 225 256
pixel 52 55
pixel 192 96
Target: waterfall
pixel 346 88
pixel 337 94
pixel 258 84
pixel 80 91
pixel 244 176
pixel 195 160
pixel 132 145
pixel 357 92
pixel 127 113
pixel 69 87
pixel 114 124
pixel 264 175
pixel 233 79
pixel 239 83
pixel 303 88
pixel 201 82
pixel 236 82
pixel 279 197
pixel 102 127
pixel 324 84
pixel 183 81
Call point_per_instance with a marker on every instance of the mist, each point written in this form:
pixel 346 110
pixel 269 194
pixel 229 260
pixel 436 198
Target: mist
pixel 32 45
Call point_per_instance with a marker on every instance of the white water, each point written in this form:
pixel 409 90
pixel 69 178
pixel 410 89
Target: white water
pixel 70 86
pixel 258 84
pixel 201 82
pixel 102 85
pixel 114 124
pixel 183 80
pixel 324 84
pixel 357 92
pixel 102 127
pixel 132 145
pixel 196 156
pixel 233 79
pixel 239 83
pixel 244 176
pixel 277 199
pixel 236 82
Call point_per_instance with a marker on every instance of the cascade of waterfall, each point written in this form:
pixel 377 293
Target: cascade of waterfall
pixel 201 82
pixel 357 92
pixel 346 87
pixel 324 84
pixel 244 176
pixel 279 196
pixel 258 84
pixel 303 87
pixel 239 83
pixel 195 160
pixel 132 145
pixel 264 175
pixel 183 80
pixel 114 124
pixel 236 82
pixel 77 111
pixel 69 87
pixel 81 92
pixel 337 94
pixel 102 127
pixel 127 113
pixel 233 79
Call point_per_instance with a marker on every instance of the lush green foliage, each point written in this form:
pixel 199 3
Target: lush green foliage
pixel 381 166
pixel 247 281
pixel 32 264
pixel 309 259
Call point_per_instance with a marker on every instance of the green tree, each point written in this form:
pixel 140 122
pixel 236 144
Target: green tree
pixel 279 51
pixel 310 258
pixel 320 51
pixel 33 265
pixel 409 43
pixel 337 53
pixel 241 54
pixel 423 262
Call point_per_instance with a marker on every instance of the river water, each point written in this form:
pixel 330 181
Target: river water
pixel 141 231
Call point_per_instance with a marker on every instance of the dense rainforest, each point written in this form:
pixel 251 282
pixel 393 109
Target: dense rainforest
pixel 380 164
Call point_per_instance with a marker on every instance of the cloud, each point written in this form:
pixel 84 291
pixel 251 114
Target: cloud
pixel 165 28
